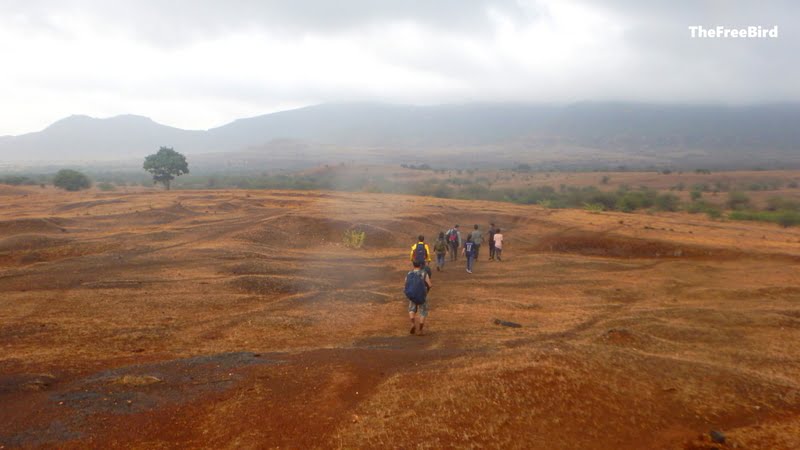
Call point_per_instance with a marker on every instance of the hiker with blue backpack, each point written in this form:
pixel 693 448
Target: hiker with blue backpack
pixel 418 283
pixel 420 253
pixel 469 252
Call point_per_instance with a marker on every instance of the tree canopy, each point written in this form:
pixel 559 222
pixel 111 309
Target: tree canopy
pixel 71 180
pixel 165 165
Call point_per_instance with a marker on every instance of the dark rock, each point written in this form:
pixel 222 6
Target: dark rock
pixel 506 323
pixel 717 436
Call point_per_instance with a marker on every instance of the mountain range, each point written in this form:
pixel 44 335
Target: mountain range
pixel 520 132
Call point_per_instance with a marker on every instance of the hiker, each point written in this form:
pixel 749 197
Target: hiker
pixel 418 283
pixel 454 239
pixel 440 248
pixel 490 234
pixel 469 252
pixel 498 244
pixel 422 254
pixel 477 240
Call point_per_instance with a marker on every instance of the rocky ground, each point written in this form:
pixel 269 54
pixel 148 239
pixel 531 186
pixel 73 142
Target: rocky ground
pixel 239 319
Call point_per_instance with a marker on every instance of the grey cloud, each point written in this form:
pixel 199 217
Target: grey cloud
pixel 665 64
pixel 181 21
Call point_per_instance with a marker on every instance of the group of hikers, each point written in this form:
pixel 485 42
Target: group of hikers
pixel 418 281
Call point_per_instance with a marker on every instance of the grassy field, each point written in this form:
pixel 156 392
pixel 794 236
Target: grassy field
pixel 138 318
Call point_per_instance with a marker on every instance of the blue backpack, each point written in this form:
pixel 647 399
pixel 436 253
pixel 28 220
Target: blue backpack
pixel 420 254
pixel 415 289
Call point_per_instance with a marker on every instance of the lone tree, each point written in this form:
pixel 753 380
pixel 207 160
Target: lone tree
pixel 71 180
pixel 166 165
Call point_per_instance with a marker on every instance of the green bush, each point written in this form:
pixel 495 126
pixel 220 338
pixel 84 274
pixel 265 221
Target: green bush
pixel 704 207
pixel 738 200
pixel 106 186
pixel 593 207
pixel 17 180
pixel 667 202
pixel 783 218
pixel 780 203
pixel 632 200
pixel 788 218
pixel 71 180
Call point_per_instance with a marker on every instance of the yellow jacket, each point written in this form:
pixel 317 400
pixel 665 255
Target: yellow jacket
pixel 427 251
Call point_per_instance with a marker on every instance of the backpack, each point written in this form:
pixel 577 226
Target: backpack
pixel 452 236
pixel 415 288
pixel 440 246
pixel 420 254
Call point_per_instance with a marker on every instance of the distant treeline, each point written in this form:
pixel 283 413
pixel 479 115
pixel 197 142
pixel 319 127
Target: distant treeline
pixel 25 180
pixel 625 198
pixel 778 209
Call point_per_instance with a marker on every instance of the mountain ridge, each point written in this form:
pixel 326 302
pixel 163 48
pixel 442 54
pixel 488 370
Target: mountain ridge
pixel 638 128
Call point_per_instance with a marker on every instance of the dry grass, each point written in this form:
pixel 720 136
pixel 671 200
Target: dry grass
pixel 264 330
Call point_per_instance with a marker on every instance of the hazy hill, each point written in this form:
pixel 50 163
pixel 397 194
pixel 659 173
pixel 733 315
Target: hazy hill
pixel 745 134
pixel 86 138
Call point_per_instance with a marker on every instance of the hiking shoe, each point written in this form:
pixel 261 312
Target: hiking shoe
pixel 469 271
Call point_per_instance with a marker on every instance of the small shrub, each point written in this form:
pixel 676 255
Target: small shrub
pixel 106 186
pixel 16 180
pixel 780 203
pixel 667 202
pixel 71 180
pixel 783 218
pixel 738 200
pixel 354 238
pixel 523 168
pixel 594 207
pixel 788 218
pixel 704 207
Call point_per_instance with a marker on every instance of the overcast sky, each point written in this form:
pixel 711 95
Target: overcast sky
pixel 200 63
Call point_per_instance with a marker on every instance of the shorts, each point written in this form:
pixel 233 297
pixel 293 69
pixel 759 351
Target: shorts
pixel 421 309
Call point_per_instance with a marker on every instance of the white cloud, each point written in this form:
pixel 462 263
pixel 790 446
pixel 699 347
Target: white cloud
pixel 201 64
